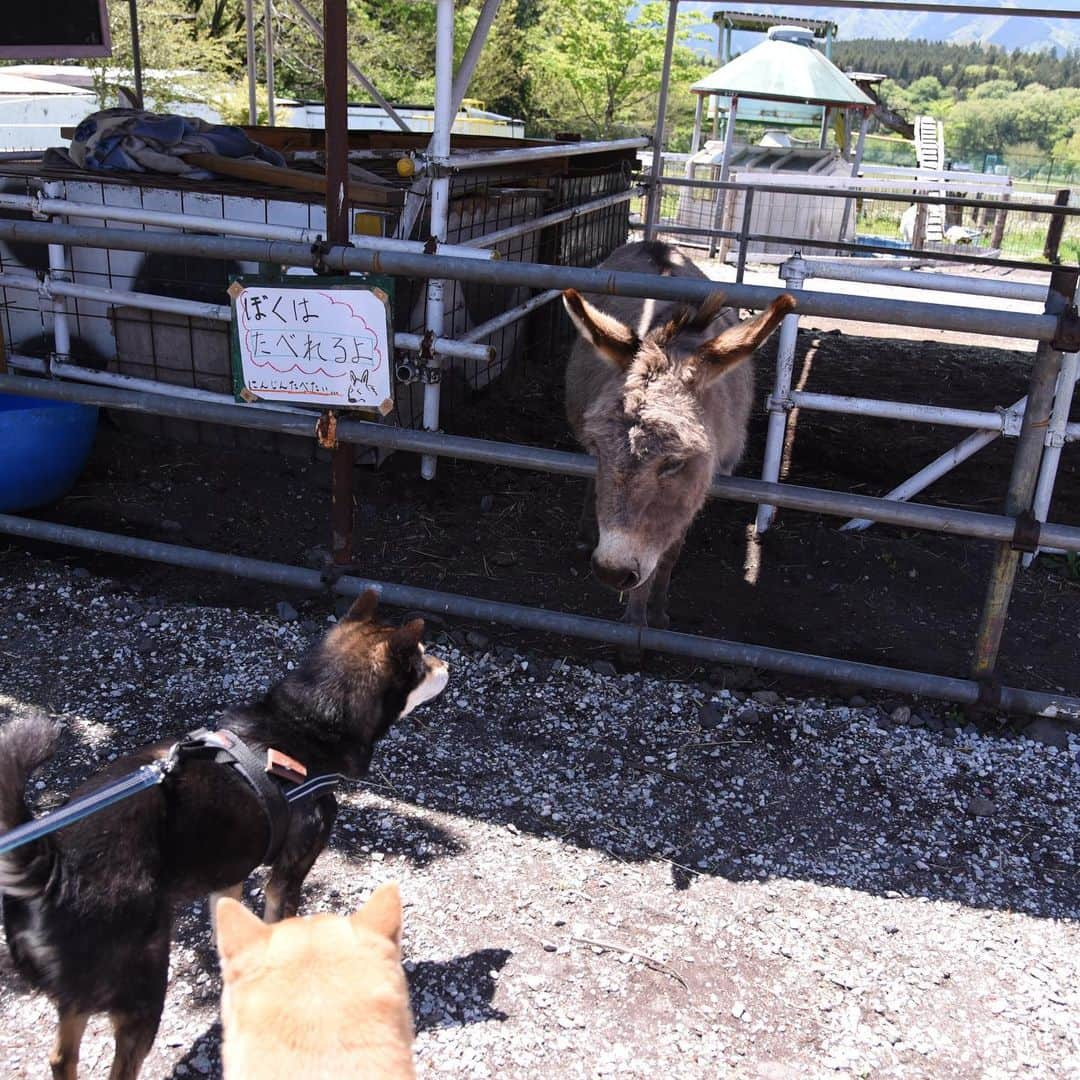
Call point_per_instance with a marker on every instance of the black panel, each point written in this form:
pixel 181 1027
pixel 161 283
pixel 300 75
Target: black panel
pixel 52 26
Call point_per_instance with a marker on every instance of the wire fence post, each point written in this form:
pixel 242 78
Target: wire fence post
pixel 1020 497
pixel 136 51
pixel 335 20
pixel 744 234
pixel 656 193
pixel 794 274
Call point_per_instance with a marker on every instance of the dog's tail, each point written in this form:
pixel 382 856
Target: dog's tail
pixel 25 743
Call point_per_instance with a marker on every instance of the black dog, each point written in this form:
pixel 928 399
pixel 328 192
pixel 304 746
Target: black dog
pixel 88 909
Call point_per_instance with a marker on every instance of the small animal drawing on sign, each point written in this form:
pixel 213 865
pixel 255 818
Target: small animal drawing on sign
pixel 359 386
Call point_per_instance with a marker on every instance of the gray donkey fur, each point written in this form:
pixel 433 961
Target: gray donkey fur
pixel 659 394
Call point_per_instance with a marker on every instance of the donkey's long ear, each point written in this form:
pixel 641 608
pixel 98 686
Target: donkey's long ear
pixel 616 343
pixel 738 342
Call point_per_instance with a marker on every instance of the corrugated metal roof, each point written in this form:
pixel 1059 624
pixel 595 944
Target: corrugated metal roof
pixel 752 20
pixel 783 71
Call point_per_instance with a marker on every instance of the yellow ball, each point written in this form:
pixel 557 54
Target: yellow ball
pixel 405 167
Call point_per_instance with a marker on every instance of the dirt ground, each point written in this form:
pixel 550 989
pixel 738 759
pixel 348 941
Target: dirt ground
pixel 885 596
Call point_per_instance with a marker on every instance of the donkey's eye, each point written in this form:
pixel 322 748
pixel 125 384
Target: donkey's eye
pixel 671 467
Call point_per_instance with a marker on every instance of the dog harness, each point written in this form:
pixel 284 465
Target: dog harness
pixel 263 774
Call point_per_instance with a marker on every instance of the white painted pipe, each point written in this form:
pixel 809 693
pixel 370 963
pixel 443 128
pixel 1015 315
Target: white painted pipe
pixel 1055 441
pixel 463 75
pixel 909 279
pixel 940 466
pixel 49 288
pixel 78 373
pixel 478 333
pixel 793 272
pixel 223 226
pixel 725 171
pixel 655 192
pixel 977 420
pixel 483 158
pixel 440 203
pixel 554 218
pixel 58 269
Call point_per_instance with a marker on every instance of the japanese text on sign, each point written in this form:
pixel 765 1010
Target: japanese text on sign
pixel 328 346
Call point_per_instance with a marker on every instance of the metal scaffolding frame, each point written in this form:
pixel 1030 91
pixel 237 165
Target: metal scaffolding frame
pixel 1015 531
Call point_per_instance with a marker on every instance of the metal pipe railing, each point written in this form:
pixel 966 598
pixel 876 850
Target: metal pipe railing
pixel 554 218
pixel 364 433
pixel 542 276
pixel 714 650
pixel 1002 419
pixel 49 288
pixel 478 333
pixel 1049 209
pixel 137 215
pixel 481 159
pixel 908 279
pixel 60 369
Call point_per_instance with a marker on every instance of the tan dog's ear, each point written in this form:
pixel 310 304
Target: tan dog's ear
pixel 237 931
pixel 363 608
pixel 616 343
pixel 738 342
pixel 382 913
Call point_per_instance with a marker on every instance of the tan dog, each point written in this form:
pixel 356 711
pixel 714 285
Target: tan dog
pixel 322 997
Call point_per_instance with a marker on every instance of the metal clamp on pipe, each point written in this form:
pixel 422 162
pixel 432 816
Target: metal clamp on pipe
pixel 319 250
pixel 326 430
pixel 1026 531
pixel 1067 339
pixel 414 371
pixel 990 696
pixel 407 371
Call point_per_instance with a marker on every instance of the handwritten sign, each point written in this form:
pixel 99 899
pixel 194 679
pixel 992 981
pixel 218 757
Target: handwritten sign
pixel 313 343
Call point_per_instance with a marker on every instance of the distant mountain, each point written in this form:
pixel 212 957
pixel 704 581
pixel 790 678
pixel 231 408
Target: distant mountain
pixel 1008 32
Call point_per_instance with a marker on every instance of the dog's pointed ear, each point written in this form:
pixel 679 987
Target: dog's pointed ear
pixel 363 608
pixel 237 930
pixel 738 342
pixel 382 913
pixel 406 638
pixel 616 343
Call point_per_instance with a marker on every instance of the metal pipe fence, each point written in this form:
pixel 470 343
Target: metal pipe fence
pixel 762 213
pixel 365 433
pixel 1041 327
pixel 539 276
pixel 714 650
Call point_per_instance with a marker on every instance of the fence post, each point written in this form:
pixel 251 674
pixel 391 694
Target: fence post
pixel 794 273
pixel 1056 228
pixel 652 206
pixel 1021 493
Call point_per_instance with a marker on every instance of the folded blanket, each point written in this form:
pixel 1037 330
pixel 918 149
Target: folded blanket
pixel 131 140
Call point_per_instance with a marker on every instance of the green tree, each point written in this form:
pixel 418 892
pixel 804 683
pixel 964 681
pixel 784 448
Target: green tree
pixel 199 63
pixel 597 63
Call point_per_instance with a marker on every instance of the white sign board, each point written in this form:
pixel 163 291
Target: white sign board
pixel 328 345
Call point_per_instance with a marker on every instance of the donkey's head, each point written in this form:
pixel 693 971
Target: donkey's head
pixel 654 431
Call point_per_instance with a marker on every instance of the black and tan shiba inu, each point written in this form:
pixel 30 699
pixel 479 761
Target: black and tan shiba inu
pixel 88 909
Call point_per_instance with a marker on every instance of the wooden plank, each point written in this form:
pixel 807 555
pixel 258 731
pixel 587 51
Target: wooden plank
pixel 262 173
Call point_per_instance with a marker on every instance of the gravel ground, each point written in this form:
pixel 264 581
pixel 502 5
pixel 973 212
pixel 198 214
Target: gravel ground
pixel 614 875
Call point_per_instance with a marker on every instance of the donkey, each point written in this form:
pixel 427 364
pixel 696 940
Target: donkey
pixel 660 395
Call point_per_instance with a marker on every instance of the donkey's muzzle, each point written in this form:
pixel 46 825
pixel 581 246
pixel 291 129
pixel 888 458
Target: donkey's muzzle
pixel 620 578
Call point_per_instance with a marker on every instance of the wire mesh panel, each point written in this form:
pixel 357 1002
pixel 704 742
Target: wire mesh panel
pixel 777 213
pixel 195 353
